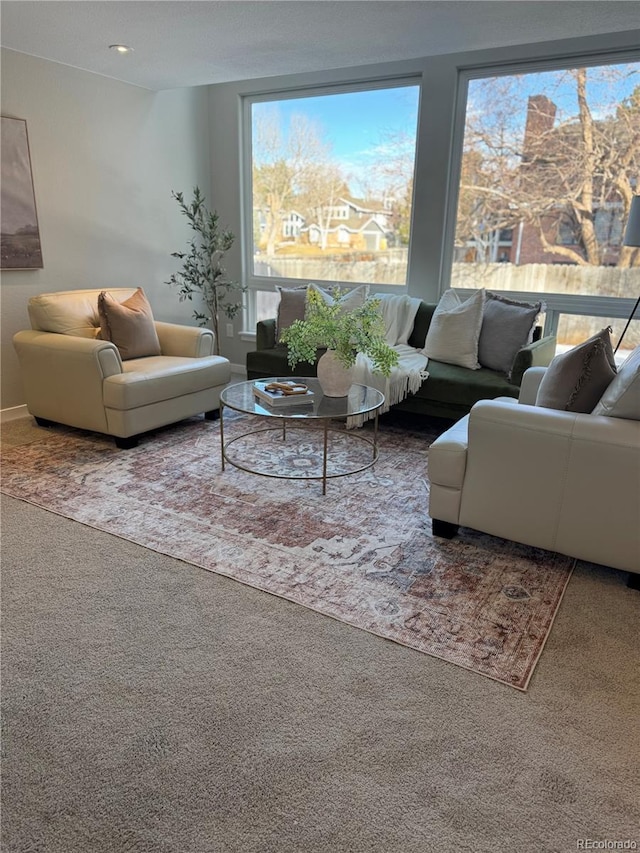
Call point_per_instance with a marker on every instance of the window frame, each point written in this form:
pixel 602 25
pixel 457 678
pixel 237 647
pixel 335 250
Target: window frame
pixel 557 303
pixel 256 282
pixel 441 118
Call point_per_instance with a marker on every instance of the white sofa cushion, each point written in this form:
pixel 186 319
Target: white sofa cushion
pixel 622 397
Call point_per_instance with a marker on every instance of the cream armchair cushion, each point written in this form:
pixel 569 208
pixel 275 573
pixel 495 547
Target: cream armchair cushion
pixel 70 376
pixel 70 312
pixel 563 481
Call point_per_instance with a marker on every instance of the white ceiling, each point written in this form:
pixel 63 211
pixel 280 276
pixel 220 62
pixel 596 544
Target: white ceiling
pixel 183 43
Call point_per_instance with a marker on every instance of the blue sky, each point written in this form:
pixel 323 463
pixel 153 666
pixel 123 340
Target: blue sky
pixel 606 86
pixel 357 124
pixel 354 123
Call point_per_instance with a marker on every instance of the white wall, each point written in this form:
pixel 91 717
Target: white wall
pixel 105 157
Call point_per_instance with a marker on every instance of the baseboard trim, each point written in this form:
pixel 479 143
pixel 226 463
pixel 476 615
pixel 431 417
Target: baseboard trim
pixel 240 369
pixel 13 413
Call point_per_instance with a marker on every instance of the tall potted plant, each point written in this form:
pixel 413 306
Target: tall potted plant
pixel 344 334
pixel 202 270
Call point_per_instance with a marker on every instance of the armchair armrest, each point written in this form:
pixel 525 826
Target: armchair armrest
pixel 63 375
pixel 266 334
pixel 536 354
pixel 55 352
pixel 563 481
pixel 185 341
pixel 530 383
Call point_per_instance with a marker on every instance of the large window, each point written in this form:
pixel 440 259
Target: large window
pixel 550 163
pixel 331 187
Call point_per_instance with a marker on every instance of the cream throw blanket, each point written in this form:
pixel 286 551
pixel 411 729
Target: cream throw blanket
pixel 398 314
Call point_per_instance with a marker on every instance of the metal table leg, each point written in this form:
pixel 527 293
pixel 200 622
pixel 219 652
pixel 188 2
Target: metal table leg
pixel 222 432
pixel 375 435
pixel 324 457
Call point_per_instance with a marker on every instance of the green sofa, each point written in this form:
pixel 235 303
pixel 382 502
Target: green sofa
pixel 449 392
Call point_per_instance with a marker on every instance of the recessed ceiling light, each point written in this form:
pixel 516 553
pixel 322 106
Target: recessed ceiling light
pixel 121 48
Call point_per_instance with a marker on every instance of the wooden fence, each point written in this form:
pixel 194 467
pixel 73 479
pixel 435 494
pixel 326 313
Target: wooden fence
pixel 561 279
pixel 549 278
pixel 390 267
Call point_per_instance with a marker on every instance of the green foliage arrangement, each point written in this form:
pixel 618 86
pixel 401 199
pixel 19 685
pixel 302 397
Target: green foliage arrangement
pixel 345 332
pixel 202 271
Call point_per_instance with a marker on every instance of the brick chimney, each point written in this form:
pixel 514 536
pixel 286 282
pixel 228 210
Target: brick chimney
pixel 541 114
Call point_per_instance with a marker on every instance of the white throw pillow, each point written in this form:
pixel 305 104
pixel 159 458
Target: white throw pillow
pixel 349 301
pixel 455 330
pixel 622 397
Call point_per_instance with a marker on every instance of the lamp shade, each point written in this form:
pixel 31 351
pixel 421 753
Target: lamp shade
pixel 632 232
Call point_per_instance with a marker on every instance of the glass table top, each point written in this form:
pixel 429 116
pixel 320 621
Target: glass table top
pixel 360 399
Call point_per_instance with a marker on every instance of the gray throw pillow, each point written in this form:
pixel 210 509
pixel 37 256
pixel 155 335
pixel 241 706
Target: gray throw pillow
pixel 577 379
pixel 507 326
pixel 291 307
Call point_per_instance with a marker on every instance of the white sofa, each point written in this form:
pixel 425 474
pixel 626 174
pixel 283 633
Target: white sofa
pixel 72 377
pixel 557 480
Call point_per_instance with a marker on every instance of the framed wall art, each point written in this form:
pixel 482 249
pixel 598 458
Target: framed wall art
pixel 20 235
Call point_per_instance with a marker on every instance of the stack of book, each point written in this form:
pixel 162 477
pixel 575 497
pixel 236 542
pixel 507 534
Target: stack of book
pixel 287 393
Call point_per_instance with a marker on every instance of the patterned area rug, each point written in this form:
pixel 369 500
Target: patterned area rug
pixel 363 553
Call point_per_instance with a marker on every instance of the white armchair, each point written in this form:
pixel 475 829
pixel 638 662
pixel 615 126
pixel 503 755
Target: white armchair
pixel 557 480
pixel 72 377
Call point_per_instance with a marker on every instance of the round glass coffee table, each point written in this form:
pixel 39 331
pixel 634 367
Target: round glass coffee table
pixel 321 410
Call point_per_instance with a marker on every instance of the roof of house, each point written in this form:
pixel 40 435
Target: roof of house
pixel 354 224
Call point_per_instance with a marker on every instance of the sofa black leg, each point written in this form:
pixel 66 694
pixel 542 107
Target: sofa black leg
pixel 213 415
pixel 444 529
pixel 126 443
pixel 634 581
pixel 43 422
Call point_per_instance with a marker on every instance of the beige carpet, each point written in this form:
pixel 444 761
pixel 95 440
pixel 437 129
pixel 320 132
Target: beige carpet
pixel 363 553
pixel 151 707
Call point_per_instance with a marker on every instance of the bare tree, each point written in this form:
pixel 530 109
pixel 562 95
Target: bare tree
pixel 279 162
pixel 559 176
pixel 321 181
pixel 392 179
pixel 323 187
pixel 293 169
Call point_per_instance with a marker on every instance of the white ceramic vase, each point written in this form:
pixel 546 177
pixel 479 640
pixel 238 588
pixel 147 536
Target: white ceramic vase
pixel 335 379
